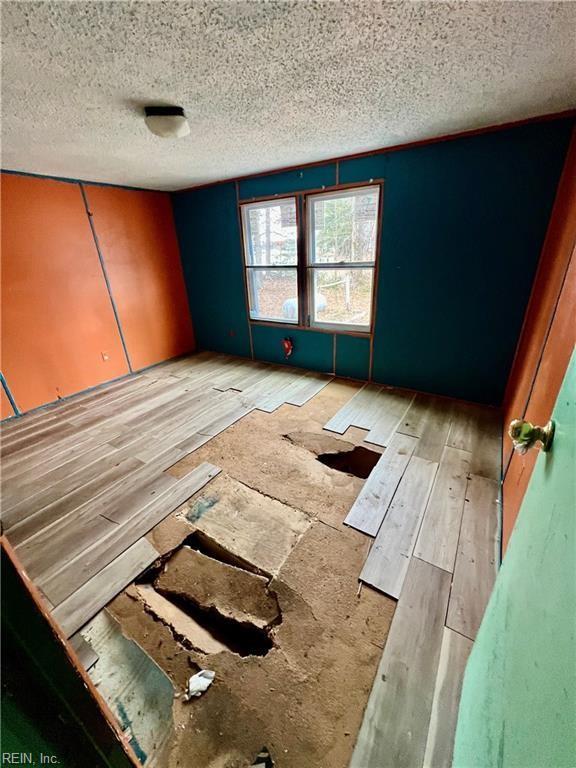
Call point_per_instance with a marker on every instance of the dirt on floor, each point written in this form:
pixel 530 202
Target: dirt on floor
pixel 297 682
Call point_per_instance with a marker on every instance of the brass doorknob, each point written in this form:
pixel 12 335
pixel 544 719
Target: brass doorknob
pixel 526 435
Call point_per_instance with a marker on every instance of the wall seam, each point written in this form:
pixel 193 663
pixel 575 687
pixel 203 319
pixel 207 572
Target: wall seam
pixel 105 274
pixel 9 395
pixel 334 343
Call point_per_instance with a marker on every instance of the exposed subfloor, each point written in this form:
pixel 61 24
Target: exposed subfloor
pixel 304 699
pixel 255 575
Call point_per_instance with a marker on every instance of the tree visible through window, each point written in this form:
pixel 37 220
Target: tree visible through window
pixel 338 277
pixel 271 256
pixel 342 231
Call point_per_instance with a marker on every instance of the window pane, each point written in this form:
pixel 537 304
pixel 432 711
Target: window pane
pixel 270 233
pixel 344 226
pixel 273 294
pixel 343 295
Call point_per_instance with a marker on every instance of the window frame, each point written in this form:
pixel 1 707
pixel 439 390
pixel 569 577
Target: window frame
pixel 347 265
pixel 305 291
pixel 270 203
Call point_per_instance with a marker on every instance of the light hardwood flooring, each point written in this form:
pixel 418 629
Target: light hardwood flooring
pixel 85 479
pixel 430 509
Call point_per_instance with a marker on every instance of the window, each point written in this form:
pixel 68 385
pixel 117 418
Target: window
pixel 271 259
pixel 336 276
pixel 342 232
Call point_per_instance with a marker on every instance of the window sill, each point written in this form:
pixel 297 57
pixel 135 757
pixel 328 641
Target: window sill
pixel 315 328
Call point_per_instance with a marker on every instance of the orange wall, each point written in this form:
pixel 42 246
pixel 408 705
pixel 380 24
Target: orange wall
pixel 57 320
pixel 59 333
pixel 138 243
pixel 546 342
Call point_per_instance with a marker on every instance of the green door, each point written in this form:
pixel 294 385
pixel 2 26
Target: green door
pixel 518 706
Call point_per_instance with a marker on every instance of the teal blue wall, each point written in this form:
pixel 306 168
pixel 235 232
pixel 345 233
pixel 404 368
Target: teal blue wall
pixel 463 225
pixel 352 356
pixel 210 247
pixel 312 349
pixel 289 181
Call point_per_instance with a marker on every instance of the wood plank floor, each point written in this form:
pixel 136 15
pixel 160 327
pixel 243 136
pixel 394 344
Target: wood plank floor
pixel 84 480
pixel 430 506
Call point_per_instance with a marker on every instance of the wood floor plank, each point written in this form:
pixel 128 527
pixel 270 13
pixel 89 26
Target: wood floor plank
pixel 417 416
pixel 442 728
pixel 39 556
pixel 64 408
pixel 63 434
pixel 37 520
pixel 221 423
pixel 487 448
pixel 132 506
pixel 31 484
pixel 181 430
pixel 252 374
pixel 228 377
pixel 86 654
pixel 358 411
pixel 101 413
pixel 107 395
pixel 297 391
pixel 165 411
pixel 91 597
pixel 464 426
pixel 392 405
pixel 307 387
pixel 49 455
pixel 395 726
pixel 47 459
pixel 167 419
pixel 428 418
pixel 190 444
pixel 475 569
pixel 438 538
pixel 268 386
pixel 8 435
pixel 387 562
pixel 105 548
pixel 48 435
pixel 478 429
pixel 141 488
pixel 281 394
pixel 371 505
pixel 69 535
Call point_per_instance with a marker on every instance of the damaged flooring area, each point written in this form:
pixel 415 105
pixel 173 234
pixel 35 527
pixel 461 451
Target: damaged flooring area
pixel 299 682
pixel 233 496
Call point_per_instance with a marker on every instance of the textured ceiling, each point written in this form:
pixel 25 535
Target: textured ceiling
pixel 267 84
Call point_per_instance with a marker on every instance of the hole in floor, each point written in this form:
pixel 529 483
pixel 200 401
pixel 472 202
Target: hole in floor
pixel 196 615
pixel 359 461
pixel 242 638
pixel 203 543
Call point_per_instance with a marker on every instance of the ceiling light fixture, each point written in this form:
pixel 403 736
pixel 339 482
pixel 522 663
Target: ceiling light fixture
pixel 167 122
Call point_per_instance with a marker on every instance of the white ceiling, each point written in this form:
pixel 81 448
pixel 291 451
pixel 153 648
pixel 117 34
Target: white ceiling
pixel 267 84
